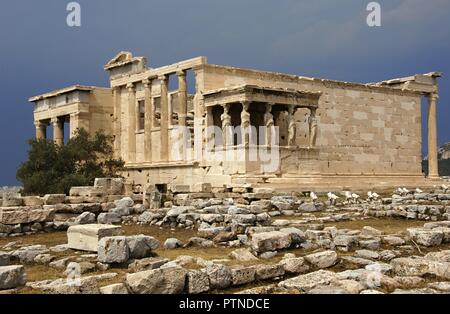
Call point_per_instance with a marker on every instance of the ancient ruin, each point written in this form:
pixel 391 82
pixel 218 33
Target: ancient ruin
pixel 231 126
pixel 246 182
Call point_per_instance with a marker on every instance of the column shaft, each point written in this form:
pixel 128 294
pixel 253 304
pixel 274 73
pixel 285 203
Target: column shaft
pixel 58 131
pixel 182 98
pixel 148 121
pixel 432 137
pixel 131 123
pixel 117 121
pixel 41 130
pixel 164 101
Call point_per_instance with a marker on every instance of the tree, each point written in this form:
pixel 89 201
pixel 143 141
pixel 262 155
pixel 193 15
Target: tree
pixel 55 169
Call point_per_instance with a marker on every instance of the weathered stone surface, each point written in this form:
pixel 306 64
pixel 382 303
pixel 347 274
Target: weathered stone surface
pixel 242 275
pixel 197 282
pixel 393 240
pixel 141 246
pixel 147 263
pixel 367 254
pixel 109 218
pixel 271 241
pixel 309 281
pixel 440 256
pixel 426 237
pixel 322 259
pixel 117 288
pixel 308 207
pixel 219 276
pixel 113 250
pixel 243 255
pixel 24 215
pixel 297 235
pixel 86 237
pixel 406 266
pixel 5 258
pixel 370 231
pixel 157 281
pixel 172 243
pixel 12 277
pixel 85 218
pixel 11 199
pixel 345 242
pixel 32 201
pixel 111 186
pixel 264 271
pixel 294 265
pixel 27 254
pixel 53 199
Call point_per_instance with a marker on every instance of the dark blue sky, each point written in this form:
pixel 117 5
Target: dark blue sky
pixel 328 39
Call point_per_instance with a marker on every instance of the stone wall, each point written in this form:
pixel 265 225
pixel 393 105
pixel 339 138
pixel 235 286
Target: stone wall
pixel 362 130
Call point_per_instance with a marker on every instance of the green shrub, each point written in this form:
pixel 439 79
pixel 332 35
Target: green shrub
pixel 54 169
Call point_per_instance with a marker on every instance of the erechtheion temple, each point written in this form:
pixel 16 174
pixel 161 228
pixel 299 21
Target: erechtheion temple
pixel 192 122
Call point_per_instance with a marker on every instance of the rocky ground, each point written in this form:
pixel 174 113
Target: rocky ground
pixel 240 240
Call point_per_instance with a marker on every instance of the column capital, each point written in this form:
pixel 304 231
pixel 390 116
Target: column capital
pixel 39 124
pixel 130 87
pixel 181 73
pixel 148 81
pixel 433 96
pixel 162 77
pixel 54 120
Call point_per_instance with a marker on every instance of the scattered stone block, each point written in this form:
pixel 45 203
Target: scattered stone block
pixel 157 281
pixel 12 277
pixel 86 237
pixel 53 199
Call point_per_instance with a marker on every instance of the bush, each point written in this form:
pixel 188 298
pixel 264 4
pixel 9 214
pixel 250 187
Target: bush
pixel 54 169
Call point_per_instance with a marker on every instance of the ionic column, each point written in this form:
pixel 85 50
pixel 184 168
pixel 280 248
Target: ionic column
pixel 432 137
pixel 41 130
pixel 182 98
pixel 117 121
pixel 164 100
pixel 148 120
pixel 131 122
pixel 58 131
pixel 245 123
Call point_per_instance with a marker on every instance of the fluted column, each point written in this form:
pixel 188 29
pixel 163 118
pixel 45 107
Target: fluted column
pixel 432 137
pixel 117 120
pixel 164 101
pixel 131 122
pixel 41 130
pixel 148 120
pixel 182 98
pixel 58 131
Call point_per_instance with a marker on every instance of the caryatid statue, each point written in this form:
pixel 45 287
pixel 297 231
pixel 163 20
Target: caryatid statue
pixel 269 124
pixel 292 128
pixel 312 121
pixel 227 131
pixel 245 123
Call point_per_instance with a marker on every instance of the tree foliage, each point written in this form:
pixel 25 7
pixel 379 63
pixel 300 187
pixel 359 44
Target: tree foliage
pixel 54 169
